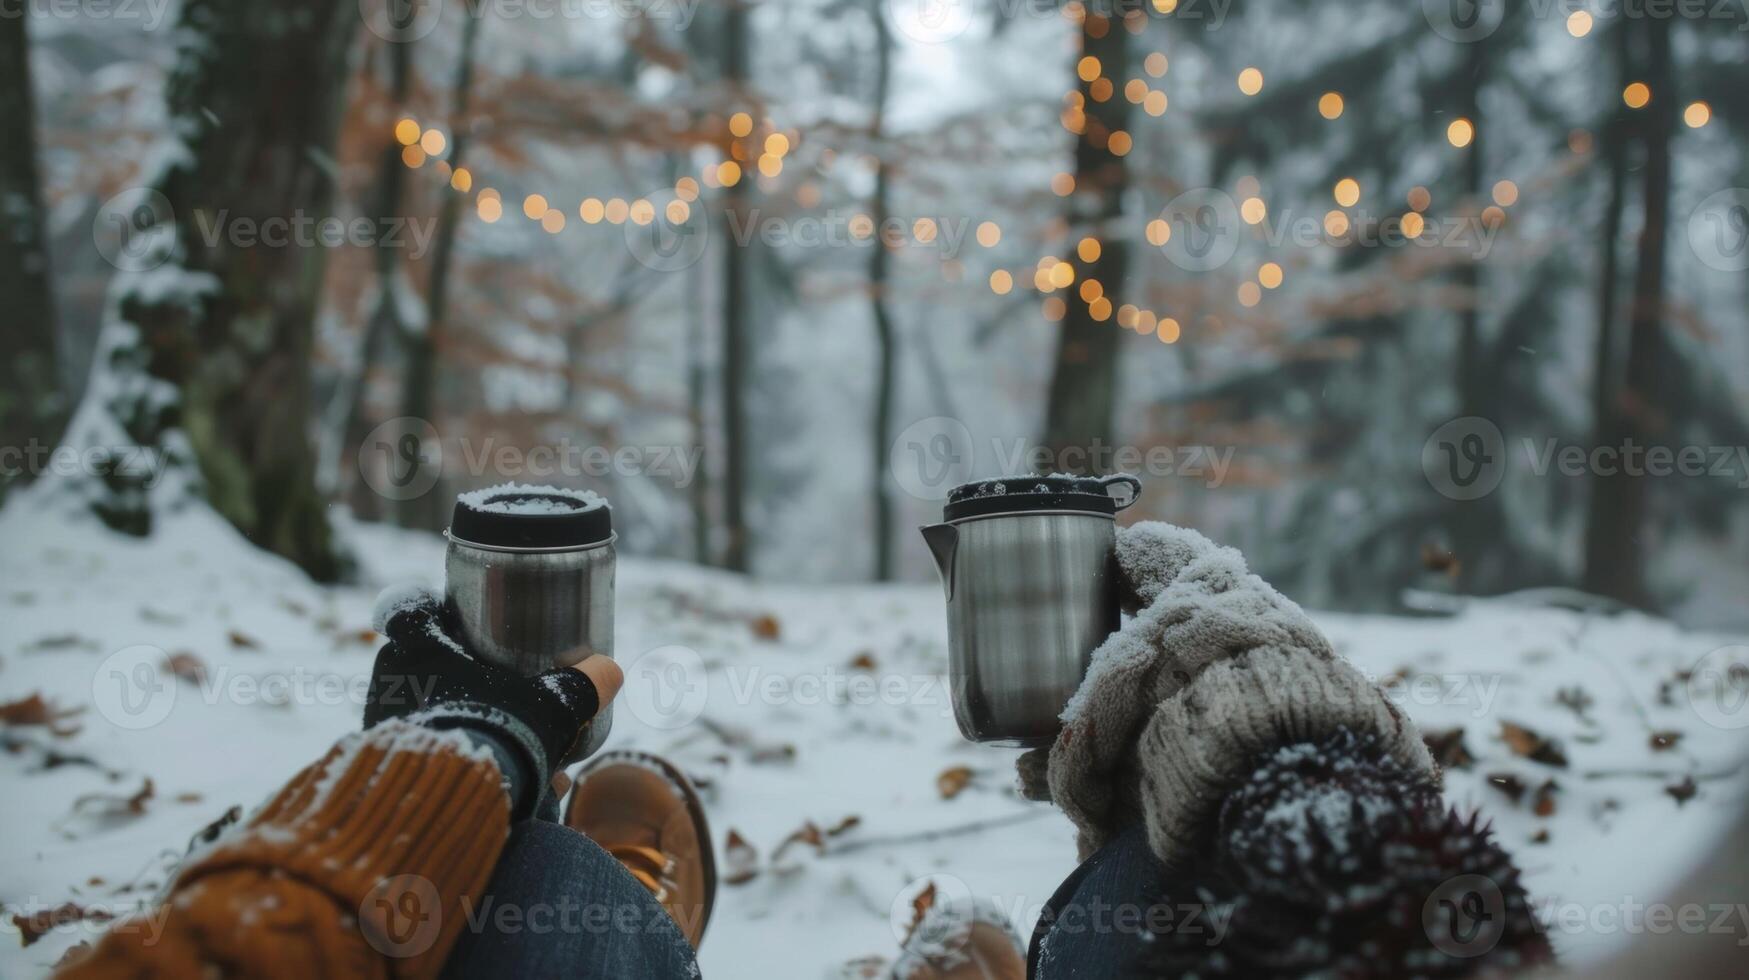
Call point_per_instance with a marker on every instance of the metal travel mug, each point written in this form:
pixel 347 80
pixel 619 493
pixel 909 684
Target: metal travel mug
pixel 1030 569
pixel 529 580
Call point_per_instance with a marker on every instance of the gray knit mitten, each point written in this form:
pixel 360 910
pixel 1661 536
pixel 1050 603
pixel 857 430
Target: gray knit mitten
pixel 1214 668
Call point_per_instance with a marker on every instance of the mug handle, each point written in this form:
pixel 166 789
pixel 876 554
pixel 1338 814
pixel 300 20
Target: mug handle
pixel 1124 479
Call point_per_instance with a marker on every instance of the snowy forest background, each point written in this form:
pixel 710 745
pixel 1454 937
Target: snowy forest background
pixel 1349 285
pixel 574 271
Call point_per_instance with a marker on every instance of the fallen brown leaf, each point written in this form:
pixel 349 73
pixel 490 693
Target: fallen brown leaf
pixel 186 666
pixel 1665 741
pixel 1527 743
pixel 953 781
pixel 843 826
pixel 766 627
pixel 1544 803
pixel 1507 783
pixel 1684 791
pixel 1448 748
pixel 863 661
pixel 742 859
pixel 36 925
pixel 34 710
pixel 243 641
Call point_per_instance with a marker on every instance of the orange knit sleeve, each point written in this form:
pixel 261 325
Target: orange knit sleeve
pixel 359 867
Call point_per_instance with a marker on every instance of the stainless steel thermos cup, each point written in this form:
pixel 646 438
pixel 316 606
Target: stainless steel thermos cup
pixel 1030 570
pixel 529 578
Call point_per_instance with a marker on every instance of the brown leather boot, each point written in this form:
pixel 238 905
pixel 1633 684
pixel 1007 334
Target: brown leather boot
pixel 646 814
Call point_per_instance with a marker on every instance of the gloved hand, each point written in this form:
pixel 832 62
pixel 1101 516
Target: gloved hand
pixel 1214 668
pixel 424 674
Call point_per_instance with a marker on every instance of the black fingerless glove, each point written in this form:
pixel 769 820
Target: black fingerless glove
pixel 425 675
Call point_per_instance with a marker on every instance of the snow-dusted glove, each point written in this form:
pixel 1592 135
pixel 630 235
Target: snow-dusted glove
pixel 1215 668
pixel 423 670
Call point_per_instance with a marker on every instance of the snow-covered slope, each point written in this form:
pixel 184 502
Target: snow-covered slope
pixel 793 706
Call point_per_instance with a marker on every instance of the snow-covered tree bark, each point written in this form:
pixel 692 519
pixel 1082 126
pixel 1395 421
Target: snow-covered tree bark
pixel 1083 394
pixel 204 355
pixel 30 397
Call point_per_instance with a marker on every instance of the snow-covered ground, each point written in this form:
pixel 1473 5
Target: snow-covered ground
pixel 819 705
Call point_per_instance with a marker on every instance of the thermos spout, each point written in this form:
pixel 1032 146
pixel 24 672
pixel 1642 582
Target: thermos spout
pixel 943 540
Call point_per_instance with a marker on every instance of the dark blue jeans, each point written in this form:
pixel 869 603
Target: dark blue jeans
pixel 560 906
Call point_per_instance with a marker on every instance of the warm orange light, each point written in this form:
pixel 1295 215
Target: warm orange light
pixel 1579 23
pixel 591 211
pixel 1330 105
pixel 989 233
pixel 1063 185
pixel 1001 282
pixel 1251 81
pixel 461 180
pixel 1087 69
pixel 1168 330
pixel 1253 210
pixel 1158 232
pixel 1414 224
pixel 740 124
pixel 1269 274
pixel 1119 144
pixel 1505 193
pixel 686 189
pixel 1697 114
pixel 432 142
pixel 553 221
pixel 1636 95
pixel 1419 198
pixel 1460 133
pixel 1088 249
pixel 1347 192
pixel 1155 103
pixel 1154 64
pixel 490 209
pixel 728 173
pixel 1249 294
pixel 534 207
pixel 407 132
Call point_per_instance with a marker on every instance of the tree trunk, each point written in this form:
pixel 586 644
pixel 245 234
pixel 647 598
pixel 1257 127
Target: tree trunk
pixel 879 261
pixel 1615 569
pixel 1474 525
pixel 31 406
pixel 419 386
pixel 1083 395
pixel 1605 359
pixel 386 322
pixel 735 325
pixel 205 352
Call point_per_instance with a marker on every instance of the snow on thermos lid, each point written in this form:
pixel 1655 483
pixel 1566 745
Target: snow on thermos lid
pixel 520 516
pixel 1059 491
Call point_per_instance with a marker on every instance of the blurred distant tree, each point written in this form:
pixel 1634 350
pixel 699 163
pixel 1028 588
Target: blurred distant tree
pixel 396 310
pixel 423 340
pixel 736 378
pixel 1082 401
pixel 879 282
pixel 205 350
pixel 1639 412
pixel 31 404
